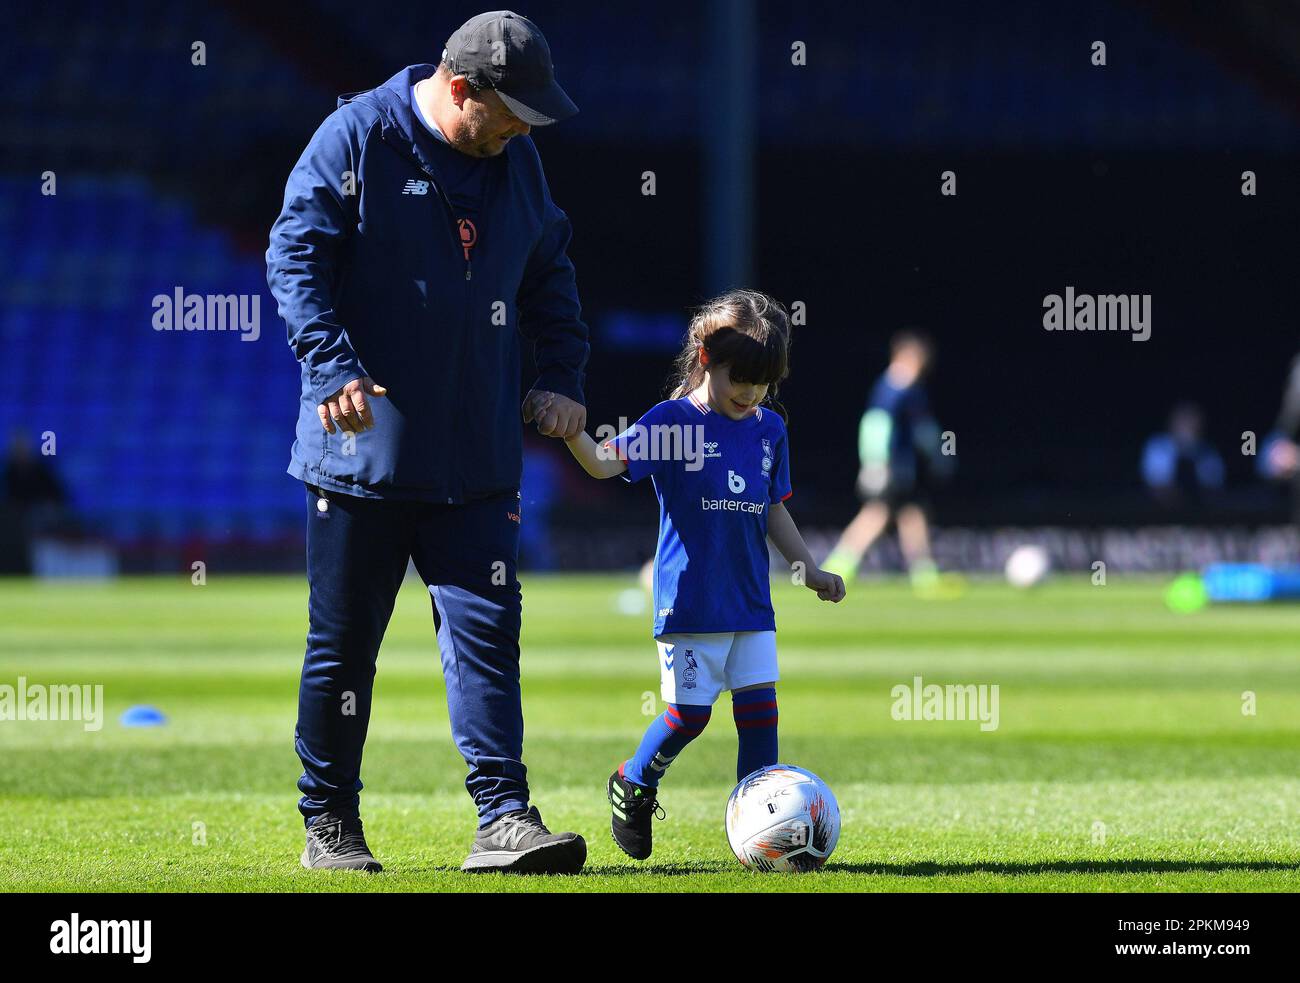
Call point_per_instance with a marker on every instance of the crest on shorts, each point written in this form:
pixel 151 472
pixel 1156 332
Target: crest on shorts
pixel 692 667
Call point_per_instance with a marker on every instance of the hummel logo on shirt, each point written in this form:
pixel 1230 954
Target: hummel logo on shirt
pixel 414 187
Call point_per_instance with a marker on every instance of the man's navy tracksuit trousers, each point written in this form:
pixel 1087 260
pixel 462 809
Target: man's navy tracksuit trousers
pixel 357 554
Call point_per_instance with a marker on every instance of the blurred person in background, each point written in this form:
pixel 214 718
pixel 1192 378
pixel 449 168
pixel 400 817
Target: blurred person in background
pixel 32 502
pixel 899 454
pixel 1280 456
pixel 1179 466
pixel 30 485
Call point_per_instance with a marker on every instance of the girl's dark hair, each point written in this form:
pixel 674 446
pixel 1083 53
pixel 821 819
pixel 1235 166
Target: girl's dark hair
pixel 746 330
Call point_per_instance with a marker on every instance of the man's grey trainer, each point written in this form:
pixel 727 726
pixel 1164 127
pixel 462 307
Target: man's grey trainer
pixel 337 843
pixel 520 843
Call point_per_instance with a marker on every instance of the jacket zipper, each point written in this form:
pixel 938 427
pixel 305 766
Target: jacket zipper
pixel 469 269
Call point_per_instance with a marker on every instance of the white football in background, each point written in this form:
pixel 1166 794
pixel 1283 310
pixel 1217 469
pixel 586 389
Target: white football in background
pixel 1027 566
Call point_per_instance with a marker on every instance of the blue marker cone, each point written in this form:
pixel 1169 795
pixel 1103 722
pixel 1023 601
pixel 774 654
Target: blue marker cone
pixel 142 715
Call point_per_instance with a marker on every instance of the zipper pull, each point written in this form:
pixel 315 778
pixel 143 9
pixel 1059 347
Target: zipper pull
pixel 468 236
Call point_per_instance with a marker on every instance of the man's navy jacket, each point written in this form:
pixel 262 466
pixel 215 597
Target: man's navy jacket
pixel 377 275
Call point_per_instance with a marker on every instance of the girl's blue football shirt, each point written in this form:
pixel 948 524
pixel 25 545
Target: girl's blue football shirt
pixel 716 478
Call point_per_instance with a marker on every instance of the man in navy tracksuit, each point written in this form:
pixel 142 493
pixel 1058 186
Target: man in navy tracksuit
pixel 417 242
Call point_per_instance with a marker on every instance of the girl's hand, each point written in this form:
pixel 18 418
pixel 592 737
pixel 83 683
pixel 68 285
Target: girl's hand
pixel 556 415
pixel 829 586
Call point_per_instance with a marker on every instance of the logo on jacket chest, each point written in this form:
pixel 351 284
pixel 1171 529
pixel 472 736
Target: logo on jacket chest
pixel 468 235
pixel 414 187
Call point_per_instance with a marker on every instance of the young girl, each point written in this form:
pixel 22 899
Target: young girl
pixel 718 457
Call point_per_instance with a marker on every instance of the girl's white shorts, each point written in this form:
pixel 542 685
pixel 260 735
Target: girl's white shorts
pixel 694 669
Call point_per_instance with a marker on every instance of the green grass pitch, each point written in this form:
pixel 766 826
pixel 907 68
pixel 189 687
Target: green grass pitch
pixel 1123 760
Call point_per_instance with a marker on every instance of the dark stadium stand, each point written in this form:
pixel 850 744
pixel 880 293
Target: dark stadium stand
pixel 142 209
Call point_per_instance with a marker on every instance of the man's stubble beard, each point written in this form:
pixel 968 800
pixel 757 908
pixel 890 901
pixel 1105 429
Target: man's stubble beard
pixel 472 141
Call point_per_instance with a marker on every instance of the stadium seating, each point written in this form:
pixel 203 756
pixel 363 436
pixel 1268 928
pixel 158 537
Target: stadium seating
pixel 149 150
pixel 149 437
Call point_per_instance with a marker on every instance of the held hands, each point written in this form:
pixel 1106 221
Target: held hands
pixel 349 407
pixel 829 586
pixel 556 415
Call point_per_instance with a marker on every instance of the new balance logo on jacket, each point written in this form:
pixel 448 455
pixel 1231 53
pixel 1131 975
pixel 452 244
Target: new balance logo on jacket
pixel 414 187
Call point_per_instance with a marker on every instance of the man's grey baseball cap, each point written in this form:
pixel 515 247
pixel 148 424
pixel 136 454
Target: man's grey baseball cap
pixel 505 51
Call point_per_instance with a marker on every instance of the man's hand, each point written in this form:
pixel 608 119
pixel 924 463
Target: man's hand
pixel 348 407
pixel 556 415
pixel 829 586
